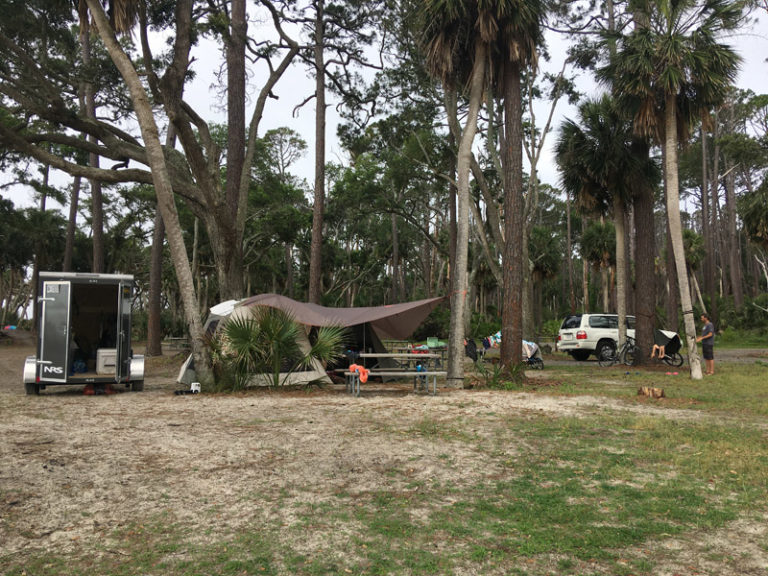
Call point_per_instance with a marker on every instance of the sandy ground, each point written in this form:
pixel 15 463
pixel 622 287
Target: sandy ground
pixel 73 468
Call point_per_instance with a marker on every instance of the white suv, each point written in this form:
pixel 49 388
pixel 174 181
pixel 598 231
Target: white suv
pixel 584 334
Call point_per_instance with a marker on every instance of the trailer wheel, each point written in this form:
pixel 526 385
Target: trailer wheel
pixel 32 388
pixel 137 385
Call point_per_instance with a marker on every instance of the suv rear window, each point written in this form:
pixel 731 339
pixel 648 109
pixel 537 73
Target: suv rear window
pixel 571 322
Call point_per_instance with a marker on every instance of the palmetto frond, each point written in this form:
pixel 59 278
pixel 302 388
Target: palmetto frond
pixel 676 50
pixel 270 341
pixel 511 29
pixel 752 210
pixel 595 156
pixel 329 343
pixel 598 244
pixel 122 13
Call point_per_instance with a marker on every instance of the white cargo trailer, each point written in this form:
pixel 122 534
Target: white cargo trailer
pixel 84 333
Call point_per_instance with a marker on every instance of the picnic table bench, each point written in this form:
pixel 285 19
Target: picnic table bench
pixel 421 379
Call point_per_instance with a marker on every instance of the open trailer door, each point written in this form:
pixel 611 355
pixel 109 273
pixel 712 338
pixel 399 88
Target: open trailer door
pixel 55 332
pixel 123 359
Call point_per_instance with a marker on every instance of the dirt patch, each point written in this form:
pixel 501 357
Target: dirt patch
pixel 74 468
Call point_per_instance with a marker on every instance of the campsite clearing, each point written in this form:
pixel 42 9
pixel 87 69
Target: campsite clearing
pixel 317 482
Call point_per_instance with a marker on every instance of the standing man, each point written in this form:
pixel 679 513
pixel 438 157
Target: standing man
pixel 707 340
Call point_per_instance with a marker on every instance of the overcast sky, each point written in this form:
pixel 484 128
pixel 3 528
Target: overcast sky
pixel 296 86
pixel 752 45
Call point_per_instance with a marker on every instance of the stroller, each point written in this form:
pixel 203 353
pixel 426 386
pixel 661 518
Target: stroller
pixel 532 355
pixel 531 351
pixel 672 344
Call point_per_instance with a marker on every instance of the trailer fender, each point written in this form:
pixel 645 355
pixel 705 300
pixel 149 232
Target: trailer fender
pixel 30 370
pixel 137 367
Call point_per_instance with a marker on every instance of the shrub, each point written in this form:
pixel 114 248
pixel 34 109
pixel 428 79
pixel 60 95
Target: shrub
pixel 268 341
pixel 498 377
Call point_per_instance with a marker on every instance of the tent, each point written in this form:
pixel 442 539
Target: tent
pixel 368 326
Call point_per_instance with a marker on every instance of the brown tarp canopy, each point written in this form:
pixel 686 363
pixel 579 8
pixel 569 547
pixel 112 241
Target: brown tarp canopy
pixel 368 326
pixel 395 321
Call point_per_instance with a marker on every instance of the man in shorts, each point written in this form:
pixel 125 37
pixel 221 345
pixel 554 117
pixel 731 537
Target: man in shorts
pixel 707 340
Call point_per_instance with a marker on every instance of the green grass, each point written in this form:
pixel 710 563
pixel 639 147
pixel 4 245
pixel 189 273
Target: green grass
pixel 740 390
pixel 557 494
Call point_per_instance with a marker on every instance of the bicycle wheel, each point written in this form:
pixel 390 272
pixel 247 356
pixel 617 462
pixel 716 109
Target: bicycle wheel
pixel 607 357
pixel 628 357
pixel 675 359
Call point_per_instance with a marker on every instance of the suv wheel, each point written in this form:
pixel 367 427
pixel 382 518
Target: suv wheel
pixel 580 355
pixel 605 348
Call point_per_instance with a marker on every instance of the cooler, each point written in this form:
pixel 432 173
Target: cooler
pixel 105 360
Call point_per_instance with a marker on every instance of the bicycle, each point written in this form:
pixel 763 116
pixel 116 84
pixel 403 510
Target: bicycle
pixel 626 355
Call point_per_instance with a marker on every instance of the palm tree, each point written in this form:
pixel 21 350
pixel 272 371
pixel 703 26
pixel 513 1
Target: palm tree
pixel 122 17
pixel 545 253
pixel 474 43
pixel 601 170
pixel 516 28
pixel 456 54
pixel 669 68
pixel 598 247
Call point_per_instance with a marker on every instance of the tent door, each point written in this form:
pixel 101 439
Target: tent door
pixel 55 332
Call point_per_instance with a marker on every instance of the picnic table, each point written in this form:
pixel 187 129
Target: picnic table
pixel 420 367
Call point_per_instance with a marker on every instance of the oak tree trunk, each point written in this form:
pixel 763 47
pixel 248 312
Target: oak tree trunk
pixel 163 189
